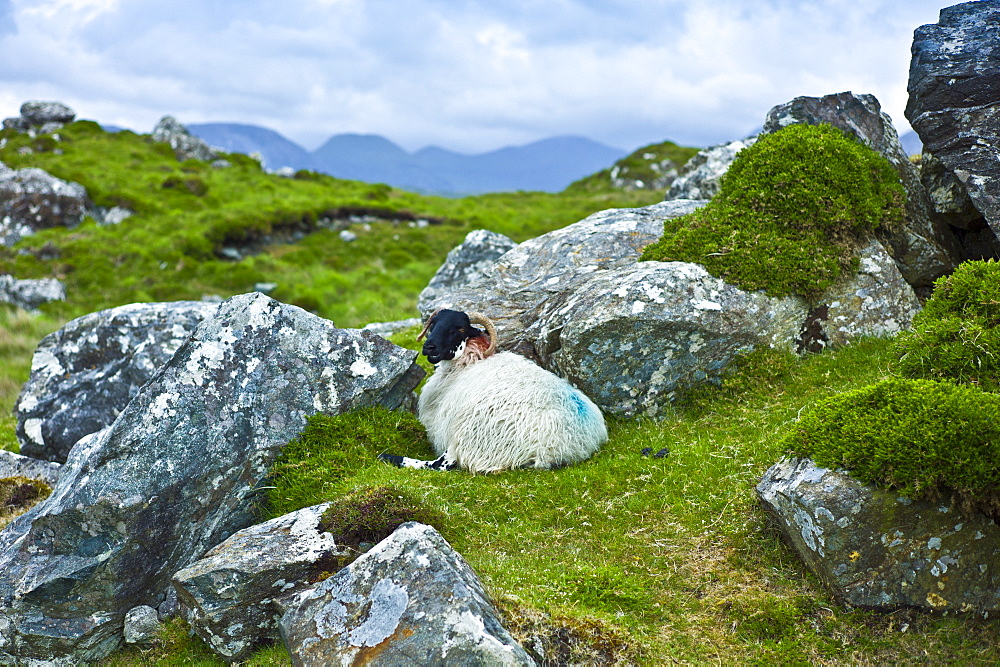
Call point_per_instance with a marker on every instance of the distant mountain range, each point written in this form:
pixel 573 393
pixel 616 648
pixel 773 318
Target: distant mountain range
pixel 548 165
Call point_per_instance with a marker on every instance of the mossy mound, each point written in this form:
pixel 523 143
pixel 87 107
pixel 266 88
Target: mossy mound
pixel 371 514
pixel 790 214
pixel 957 334
pixel 333 448
pixel 925 438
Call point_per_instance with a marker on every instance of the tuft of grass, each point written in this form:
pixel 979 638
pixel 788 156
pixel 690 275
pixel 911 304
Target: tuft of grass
pixel 957 334
pixel 371 514
pixel 790 213
pixel 18 495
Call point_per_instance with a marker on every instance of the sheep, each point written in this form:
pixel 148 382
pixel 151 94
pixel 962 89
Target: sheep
pixel 486 411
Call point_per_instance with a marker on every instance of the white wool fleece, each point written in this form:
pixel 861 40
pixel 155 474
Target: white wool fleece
pixel 506 412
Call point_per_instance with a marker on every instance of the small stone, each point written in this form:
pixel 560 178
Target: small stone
pixel 141 624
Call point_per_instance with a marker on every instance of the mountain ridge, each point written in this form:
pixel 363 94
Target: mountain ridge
pixel 547 165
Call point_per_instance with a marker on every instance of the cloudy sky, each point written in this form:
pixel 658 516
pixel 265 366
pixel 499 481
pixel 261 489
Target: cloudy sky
pixel 468 75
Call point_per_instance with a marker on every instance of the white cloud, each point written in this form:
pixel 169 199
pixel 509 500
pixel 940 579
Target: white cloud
pixel 468 75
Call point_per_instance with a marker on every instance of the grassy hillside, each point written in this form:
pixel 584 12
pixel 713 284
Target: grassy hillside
pixel 625 558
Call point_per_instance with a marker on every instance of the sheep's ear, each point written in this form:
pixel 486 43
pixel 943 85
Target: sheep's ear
pixel 430 321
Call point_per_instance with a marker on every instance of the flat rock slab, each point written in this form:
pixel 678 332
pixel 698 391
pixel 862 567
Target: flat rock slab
pixel 411 600
pixel 228 596
pixel 877 550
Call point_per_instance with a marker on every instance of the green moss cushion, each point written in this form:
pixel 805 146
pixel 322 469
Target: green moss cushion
pixel 790 213
pixel 957 335
pixel 919 436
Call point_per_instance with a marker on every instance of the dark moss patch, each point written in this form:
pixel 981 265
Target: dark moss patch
pixel 371 514
pixel 790 214
pixel 957 334
pixel 927 439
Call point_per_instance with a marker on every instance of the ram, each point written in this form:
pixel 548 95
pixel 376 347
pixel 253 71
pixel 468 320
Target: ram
pixel 486 411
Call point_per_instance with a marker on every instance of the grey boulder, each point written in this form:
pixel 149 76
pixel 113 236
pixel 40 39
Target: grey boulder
pixel 179 471
pixel 700 177
pixel 186 145
pixel 410 600
pixel 84 374
pixel 32 199
pixel 30 293
pixel 954 102
pixel 877 550
pixel 466 263
pixel 17 465
pixel 228 595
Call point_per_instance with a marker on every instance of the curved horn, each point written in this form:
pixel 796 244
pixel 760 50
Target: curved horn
pixel 428 325
pixel 491 331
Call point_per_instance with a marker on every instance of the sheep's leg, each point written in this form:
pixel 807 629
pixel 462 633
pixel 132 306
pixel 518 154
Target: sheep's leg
pixel 440 463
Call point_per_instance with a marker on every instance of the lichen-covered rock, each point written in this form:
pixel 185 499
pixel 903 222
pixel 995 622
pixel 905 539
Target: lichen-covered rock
pixel 32 199
pixel 84 374
pixel 40 116
pixel 16 465
pixel 877 550
pixel 699 179
pixel 633 335
pixel 186 146
pixel 954 103
pixel 141 624
pixel 924 248
pixel 179 471
pixel 876 301
pixel 228 595
pixel 466 263
pixel 410 600
pixel 632 338
pixel 32 292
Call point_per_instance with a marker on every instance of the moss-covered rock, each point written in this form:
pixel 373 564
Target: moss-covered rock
pixel 957 335
pixel 371 514
pixel 925 438
pixel 790 214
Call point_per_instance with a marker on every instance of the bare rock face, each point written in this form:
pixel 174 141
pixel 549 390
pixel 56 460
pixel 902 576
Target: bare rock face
pixel 877 550
pixel 186 146
pixel 32 199
pixel 410 600
pixel 84 374
pixel 925 248
pixel 954 103
pixel 228 596
pixel 466 263
pixel 700 177
pixel 633 335
pixel 179 470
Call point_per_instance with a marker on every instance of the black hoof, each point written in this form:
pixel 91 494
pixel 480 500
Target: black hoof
pixel 391 458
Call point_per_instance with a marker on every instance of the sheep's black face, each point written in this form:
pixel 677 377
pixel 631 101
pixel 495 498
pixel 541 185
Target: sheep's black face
pixel 448 330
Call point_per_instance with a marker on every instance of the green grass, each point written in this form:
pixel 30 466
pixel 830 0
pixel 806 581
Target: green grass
pixel 673 553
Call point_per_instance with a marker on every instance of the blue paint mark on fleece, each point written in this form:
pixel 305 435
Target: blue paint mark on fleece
pixel 582 409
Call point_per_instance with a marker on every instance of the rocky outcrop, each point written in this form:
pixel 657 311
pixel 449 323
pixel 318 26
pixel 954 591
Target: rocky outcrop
pixel 700 177
pixel 229 595
pixel 30 293
pixel 16 465
pixel 84 374
pixel 954 102
pixel 466 263
pixel 877 550
pixel 925 248
pixel 633 335
pixel 39 117
pixel 186 146
pixel 179 471
pixel 410 600
pixel 32 199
